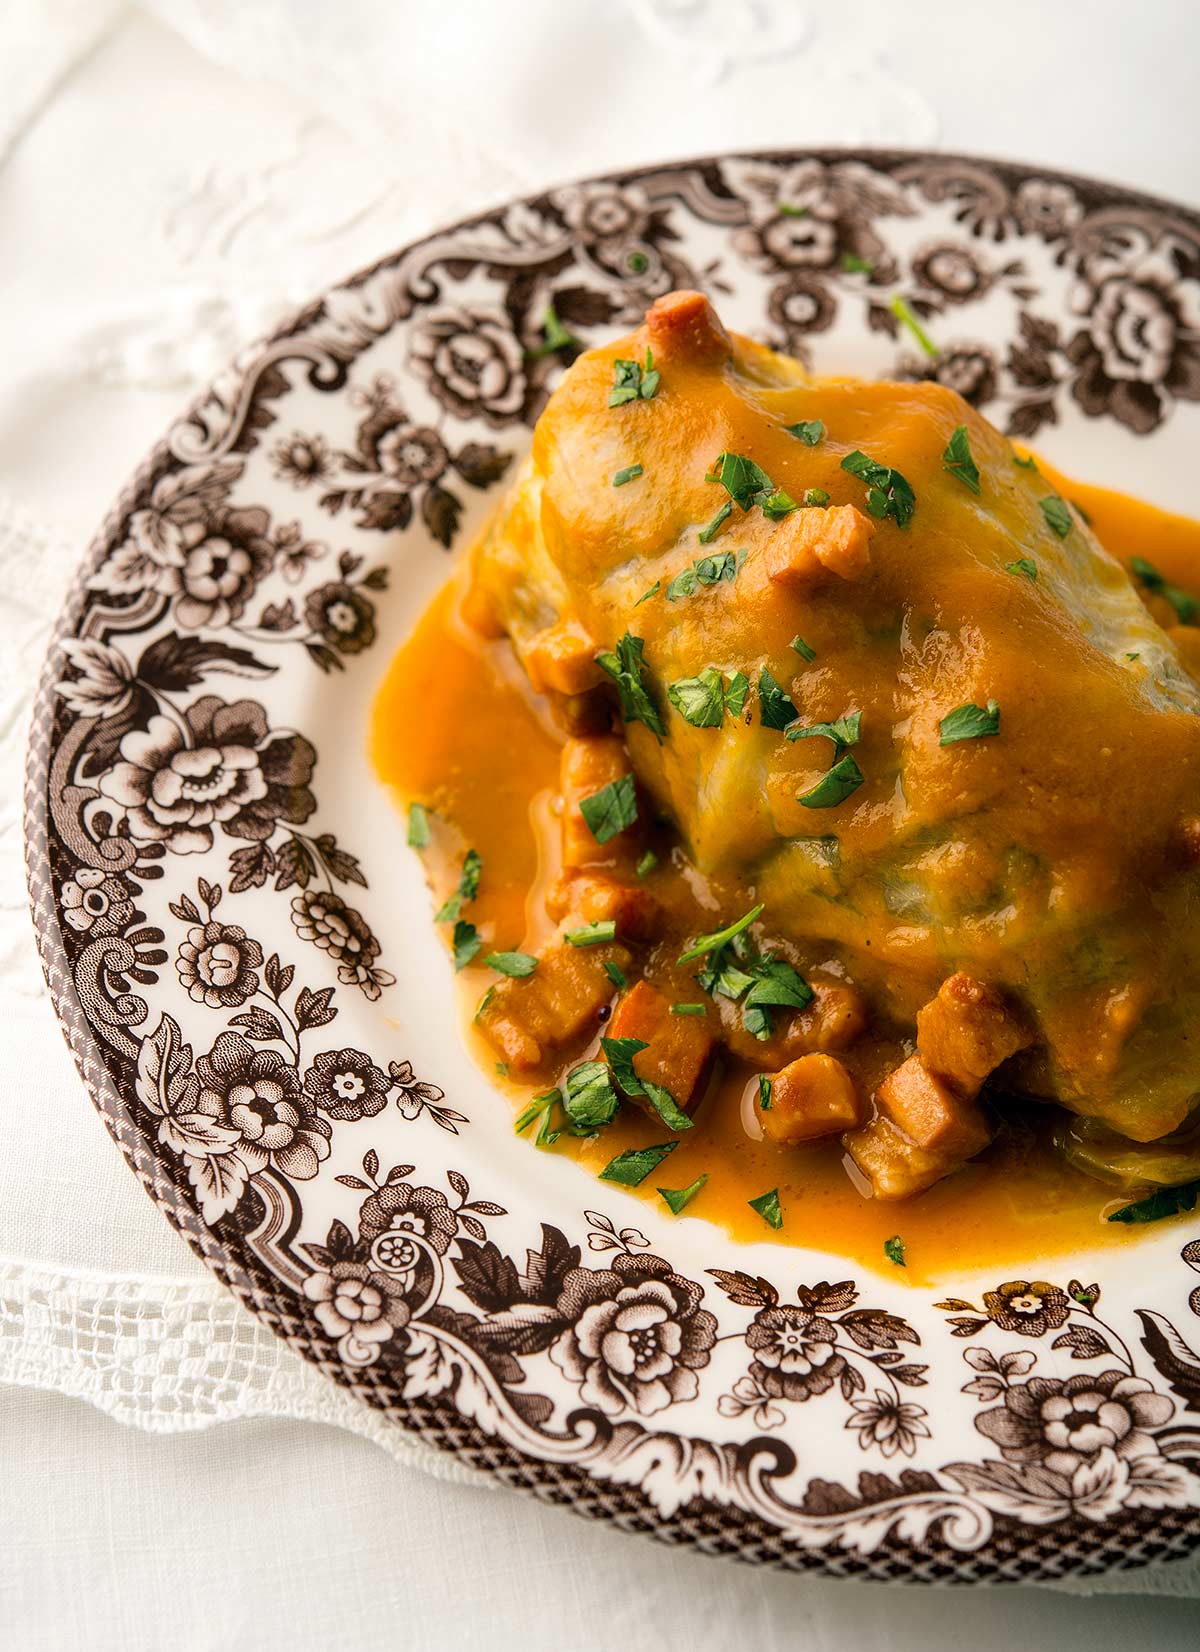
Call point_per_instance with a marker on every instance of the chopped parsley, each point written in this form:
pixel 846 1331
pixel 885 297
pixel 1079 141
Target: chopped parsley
pixel 802 648
pixel 632 381
pixel 646 595
pixel 764 1092
pixel 808 431
pixel 854 265
pixel 629 474
pixel 888 492
pixel 709 570
pixel 1163 1202
pixel 1057 513
pixel 632 1167
pixel 555 336
pixel 735 693
pixel 466 942
pixel 718 938
pixel 775 709
pixel 777 985
pixel 1186 607
pixel 591 1102
pixel 699 700
pixel 541 1110
pixel 903 313
pixel 969 722
pixel 418 826
pixel 1023 565
pixel 646 865
pixel 893 1249
pixel 778 505
pixel 1027 463
pixel 468 888
pixel 767 1206
pixel 688 1009
pixel 620 1053
pixel 511 963
pixel 684 584
pixel 708 534
pixel 816 496
pixel 627 668
pixel 593 934
pixel 638 263
pixel 745 482
pixel 484 1002
pixel 834 786
pixel 785 209
pixel 527 1115
pixel 845 732
pixel 610 810
pixel 677 1197
pixel 960 461
pixel 616 975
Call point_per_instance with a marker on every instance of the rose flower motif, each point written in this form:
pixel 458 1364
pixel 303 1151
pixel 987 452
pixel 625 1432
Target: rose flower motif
pixel 954 271
pixel 96 903
pixel 794 1351
pixel 346 1084
pixel 470 363
pixel 411 454
pixel 302 460
pixel 352 1299
pixel 800 304
pixel 217 964
pixel 1030 1307
pixel 232 772
pixel 259 1094
pixel 969 369
pixel 637 1335
pixel 224 558
pixel 1047 209
pixel 1064 1423
pixel 403 1209
pixel 1141 346
pixel 603 212
pixel 342 616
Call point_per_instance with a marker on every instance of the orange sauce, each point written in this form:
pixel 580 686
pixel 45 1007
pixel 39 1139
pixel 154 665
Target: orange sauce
pixel 483 757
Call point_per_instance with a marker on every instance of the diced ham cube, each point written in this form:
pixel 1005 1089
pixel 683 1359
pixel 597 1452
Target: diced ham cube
pixel 679 1047
pixel 593 897
pixel 562 659
pixel 527 1018
pixel 930 1113
pixel 895 1167
pixel 836 539
pixel 967 1031
pixel 588 764
pixel 685 325
pixel 812 1097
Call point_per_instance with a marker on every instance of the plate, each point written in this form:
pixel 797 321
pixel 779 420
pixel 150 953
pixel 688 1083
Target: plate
pixel 240 950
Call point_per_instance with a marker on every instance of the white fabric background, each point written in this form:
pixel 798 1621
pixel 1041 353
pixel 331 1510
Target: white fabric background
pixel 172 178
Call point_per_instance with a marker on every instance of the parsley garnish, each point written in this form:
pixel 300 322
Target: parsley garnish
pixel 646 595
pixel 960 461
pixel 511 963
pixel 631 381
pixel 418 826
pixel 767 1206
pixel 709 943
pixel 527 1114
pixel 707 535
pixel 632 1167
pixel 816 496
pixel 593 934
pixel 745 482
pixel 775 709
pixel 709 570
pixel 893 1249
pixel 802 648
pixel 1027 463
pixel 677 1197
pixel 1057 513
pixel 903 313
pixel 466 943
pixel 688 1009
pixel 736 692
pixel 1164 1201
pixel 629 474
pixel 778 505
pixel 591 1102
pixel 542 1109
pixel 699 700
pixel 777 986
pixel 616 975
pixel 785 209
pixel 638 263
pixel 845 732
pixel 468 888
pixel 834 787
pixel 1023 565
pixel 484 1002
pixel 684 584
pixel 627 668
pixel 555 336
pixel 854 265
pixel 764 1092
pixel 969 722
pixel 646 865
pixel 1186 607
pixel 808 431
pixel 888 492
pixel 611 809
pixel 620 1053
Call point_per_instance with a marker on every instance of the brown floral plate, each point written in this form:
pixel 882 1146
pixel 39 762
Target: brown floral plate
pixel 240 950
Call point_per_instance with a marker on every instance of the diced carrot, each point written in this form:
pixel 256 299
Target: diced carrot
pixel 836 539
pixel 929 1112
pixel 895 1167
pixel 589 763
pixel 684 324
pixel 593 897
pixel 810 1098
pixel 679 1047
pixel 562 658
pixel 527 1018
pixel 966 1031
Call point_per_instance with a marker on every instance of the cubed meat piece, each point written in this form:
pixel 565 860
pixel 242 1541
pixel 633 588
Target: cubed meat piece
pixel 967 1031
pixel 895 1167
pixel 810 1098
pixel 593 897
pixel 930 1113
pixel 562 659
pixel 679 1047
pixel 836 1017
pixel 588 764
pixel 836 539
pixel 527 1018
pixel 683 325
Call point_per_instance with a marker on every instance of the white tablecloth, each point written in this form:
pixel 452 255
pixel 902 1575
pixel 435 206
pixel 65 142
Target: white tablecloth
pixel 172 178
